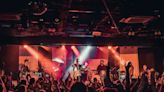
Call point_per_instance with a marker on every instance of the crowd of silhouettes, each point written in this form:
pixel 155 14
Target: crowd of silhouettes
pixel 148 81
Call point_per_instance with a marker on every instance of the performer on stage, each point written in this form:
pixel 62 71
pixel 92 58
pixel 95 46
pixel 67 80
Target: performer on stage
pixel 26 66
pixel 101 67
pixel 76 70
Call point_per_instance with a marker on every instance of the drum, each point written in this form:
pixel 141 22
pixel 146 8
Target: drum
pixel 102 73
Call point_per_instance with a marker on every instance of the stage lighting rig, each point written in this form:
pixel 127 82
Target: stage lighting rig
pixel 140 25
pixel 37 7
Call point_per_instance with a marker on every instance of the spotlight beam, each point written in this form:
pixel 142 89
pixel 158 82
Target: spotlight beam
pixel 84 54
pixel 45 62
pixel 75 50
pixel 82 58
pixel 116 54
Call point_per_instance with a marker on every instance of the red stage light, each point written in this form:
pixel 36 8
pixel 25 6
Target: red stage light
pixel 72 47
pixel 46 48
pixel 48 64
pixel 25 46
pixel 75 50
pixel 109 47
pixel 63 47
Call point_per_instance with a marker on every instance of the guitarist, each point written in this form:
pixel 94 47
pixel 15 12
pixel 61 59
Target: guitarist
pixel 76 70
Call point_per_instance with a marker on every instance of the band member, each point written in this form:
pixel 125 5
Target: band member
pixel 26 66
pixel 101 67
pixel 76 65
pixel 76 70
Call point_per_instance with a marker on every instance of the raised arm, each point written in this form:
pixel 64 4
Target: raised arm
pixel 3 85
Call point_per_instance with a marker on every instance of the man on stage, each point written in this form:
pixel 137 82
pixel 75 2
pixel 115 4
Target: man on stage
pixel 76 70
pixel 101 67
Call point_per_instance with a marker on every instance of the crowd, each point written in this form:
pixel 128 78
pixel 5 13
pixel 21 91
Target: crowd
pixel 148 81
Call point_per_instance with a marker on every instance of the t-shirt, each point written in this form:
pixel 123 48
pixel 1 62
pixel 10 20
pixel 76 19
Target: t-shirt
pixel 100 68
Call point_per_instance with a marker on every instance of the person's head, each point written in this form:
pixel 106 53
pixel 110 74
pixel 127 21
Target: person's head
pixel 101 62
pixel 129 63
pixel 78 87
pixel 77 60
pixel 144 67
pixel 95 80
pixel 26 60
pixel 32 81
pixel 23 82
pixel 152 70
pixel 55 82
pixel 21 89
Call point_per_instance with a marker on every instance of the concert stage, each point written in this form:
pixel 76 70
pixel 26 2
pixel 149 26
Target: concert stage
pixel 58 59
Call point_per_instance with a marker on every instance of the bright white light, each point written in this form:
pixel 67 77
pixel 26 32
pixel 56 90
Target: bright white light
pixel 25 46
pixel 57 69
pixel 84 54
pixel 109 47
pixel 72 47
pixel 63 47
pixel 58 60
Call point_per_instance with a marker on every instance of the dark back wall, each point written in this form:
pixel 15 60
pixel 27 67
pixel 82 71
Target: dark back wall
pixel 152 57
pixel 9 58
